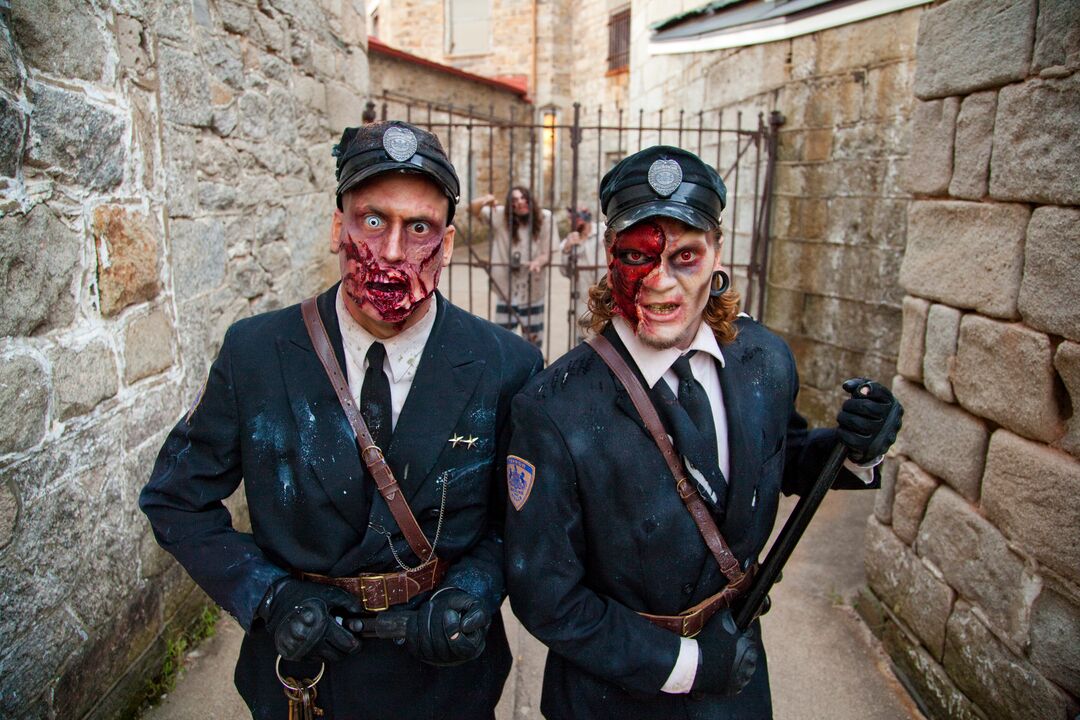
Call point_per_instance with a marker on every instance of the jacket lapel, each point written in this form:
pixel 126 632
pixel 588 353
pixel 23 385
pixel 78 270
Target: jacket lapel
pixel 326 441
pixel 445 381
pixel 622 397
pixel 744 447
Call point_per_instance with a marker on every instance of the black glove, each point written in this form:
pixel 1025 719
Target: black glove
pixel 448 629
pixel 868 420
pixel 300 617
pixel 727 657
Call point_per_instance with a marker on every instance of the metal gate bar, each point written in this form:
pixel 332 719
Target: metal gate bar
pixel 536 151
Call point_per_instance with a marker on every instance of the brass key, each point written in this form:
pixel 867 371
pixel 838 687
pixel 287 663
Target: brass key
pixel 295 697
pixel 308 708
pixel 301 694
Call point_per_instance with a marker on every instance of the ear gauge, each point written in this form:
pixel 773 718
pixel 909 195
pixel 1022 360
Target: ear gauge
pixel 721 282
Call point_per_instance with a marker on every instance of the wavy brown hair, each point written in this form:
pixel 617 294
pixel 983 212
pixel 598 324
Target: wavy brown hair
pixel 719 314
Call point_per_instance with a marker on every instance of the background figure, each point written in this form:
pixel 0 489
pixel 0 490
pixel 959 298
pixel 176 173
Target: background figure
pixel 583 256
pixel 521 247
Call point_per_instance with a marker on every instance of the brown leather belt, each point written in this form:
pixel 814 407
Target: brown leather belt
pixel 379 591
pixel 689 622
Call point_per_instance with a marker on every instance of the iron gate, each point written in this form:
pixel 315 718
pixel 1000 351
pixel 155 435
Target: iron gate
pixel 562 161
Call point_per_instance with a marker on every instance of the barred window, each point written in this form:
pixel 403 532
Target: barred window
pixel 619 40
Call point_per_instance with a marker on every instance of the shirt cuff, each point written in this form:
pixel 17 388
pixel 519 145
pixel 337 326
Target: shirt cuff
pixel 864 472
pixel 681 679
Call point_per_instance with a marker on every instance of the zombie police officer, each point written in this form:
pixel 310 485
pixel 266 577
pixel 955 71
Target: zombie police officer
pixel 646 465
pixel 369 425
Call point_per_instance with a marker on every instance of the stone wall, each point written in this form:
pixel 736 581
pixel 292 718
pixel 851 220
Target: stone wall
pixel 973 557
pixel 165 169
pixel 839 219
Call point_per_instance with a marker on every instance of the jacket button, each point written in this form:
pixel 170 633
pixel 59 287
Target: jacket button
pixel 687 589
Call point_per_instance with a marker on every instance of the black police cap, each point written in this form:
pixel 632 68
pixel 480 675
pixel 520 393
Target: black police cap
pixel 393 146
pixel 662 180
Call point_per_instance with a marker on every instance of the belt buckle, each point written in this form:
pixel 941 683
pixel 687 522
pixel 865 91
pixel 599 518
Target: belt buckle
pixel 385 591
pixel 374 450
pixel 686 622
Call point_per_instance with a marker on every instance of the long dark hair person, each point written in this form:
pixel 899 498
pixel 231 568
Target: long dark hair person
pixel 719 314
pixel 512 221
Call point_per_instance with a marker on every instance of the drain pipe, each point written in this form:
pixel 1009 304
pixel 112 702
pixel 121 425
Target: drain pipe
pixel 535 64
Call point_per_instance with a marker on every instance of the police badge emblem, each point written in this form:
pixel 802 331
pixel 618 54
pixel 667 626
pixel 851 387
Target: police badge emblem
pixel 665 176
pixel 399 143
pixel 520 474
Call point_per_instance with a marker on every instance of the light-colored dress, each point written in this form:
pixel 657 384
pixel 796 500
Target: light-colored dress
pixel 521 294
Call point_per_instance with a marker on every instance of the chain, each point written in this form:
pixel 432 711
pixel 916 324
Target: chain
pixel 438 530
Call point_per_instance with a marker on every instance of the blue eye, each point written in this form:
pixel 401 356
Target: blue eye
pixel 373 221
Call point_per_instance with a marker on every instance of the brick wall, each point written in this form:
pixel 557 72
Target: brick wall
pixel 973 559
pixel 165 169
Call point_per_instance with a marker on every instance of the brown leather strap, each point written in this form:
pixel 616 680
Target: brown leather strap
pixel 371 454
pixel 379 591
pixel 689 622
pixel 729 564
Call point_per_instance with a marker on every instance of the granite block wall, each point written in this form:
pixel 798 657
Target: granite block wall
pixel 974 553
pixel 165 169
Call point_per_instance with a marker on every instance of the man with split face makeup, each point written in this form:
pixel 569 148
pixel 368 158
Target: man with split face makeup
pixel 369 425
pixel 646 465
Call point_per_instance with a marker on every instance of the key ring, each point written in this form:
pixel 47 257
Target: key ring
pixel 277 670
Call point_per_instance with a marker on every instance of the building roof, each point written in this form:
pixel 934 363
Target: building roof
pixel 736 23
pixel 380 48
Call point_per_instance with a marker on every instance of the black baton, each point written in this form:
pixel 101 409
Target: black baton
pixel 387 625
pixel 789 537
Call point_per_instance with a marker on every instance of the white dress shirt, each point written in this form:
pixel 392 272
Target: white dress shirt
pixel 656 365
pixel 403 353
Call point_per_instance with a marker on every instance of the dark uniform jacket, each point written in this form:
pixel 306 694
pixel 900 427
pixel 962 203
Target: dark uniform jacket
pixel 269 416
pixel 603 534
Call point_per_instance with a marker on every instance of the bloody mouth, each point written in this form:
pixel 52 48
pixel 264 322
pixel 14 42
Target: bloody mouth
pixel 388 290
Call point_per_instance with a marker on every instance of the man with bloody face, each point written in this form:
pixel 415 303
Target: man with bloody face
pixel 646 465
pixel 369 425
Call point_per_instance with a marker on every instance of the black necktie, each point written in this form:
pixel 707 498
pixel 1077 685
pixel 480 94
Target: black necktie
pixel 375 398
pixel 695 402
pixel 696 445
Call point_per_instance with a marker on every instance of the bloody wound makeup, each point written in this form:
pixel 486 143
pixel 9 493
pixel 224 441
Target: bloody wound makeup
pixel 394 290
pixel 635 254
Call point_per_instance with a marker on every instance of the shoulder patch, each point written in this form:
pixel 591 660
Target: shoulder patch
pixel 520 474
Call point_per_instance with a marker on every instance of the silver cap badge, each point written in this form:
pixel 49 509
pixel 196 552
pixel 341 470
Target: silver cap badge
pixel 665 176
pixel 399 143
